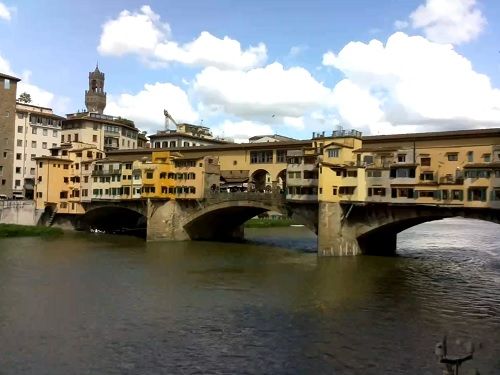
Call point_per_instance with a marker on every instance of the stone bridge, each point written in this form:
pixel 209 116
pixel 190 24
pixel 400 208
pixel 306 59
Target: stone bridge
pixel 342 229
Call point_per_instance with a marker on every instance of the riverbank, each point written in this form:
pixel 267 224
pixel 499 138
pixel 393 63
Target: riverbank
pixel 13 230
pixel 269 223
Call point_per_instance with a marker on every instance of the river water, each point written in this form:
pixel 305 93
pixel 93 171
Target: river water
pixel 99 304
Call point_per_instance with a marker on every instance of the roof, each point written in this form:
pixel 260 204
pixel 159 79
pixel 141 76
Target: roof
pixel 278 137
pixel 234 176
pixel 376 149
pixel 483 165
pixel 54 158
pixel 222 147
pixel 434 135
pixel 2 75
pixel 185 135
pixel 84 116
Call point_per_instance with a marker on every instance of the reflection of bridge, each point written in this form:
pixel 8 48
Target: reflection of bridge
pixel 343 229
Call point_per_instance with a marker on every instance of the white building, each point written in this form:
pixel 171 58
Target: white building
pixel 37 130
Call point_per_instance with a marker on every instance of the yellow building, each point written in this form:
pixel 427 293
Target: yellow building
pixel 63 179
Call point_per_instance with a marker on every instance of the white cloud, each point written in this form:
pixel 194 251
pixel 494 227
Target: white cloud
pixel 265 93
pixel 400 25
pixel 449 21
pixel 142 33
pixel 5 12
pixel 39 96
pixel 146 107
pixel 411 82
pixel 138 32
pixel 241 131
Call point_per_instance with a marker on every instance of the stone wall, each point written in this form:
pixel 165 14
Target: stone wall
pixel 19 212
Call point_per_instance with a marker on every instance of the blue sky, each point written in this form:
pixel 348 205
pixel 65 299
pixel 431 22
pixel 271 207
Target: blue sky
pixel 252 67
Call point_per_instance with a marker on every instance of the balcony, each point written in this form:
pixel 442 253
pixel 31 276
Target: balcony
pixel 449 180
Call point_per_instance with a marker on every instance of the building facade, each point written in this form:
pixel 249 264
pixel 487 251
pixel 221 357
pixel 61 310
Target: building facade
pixel 8 94
pixel 37 130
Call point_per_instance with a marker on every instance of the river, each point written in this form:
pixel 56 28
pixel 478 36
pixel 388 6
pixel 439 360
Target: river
pixel 101 304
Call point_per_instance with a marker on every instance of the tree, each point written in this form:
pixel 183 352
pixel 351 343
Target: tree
pixel 24 98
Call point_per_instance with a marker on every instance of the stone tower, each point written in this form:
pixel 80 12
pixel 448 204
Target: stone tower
pixel 95 97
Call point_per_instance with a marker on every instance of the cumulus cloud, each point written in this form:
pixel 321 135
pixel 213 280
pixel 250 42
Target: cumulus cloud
pixel 411 82
pixel 449 21
pixel 5 12
pixel 142 33
pixel 241 131
pixel 146 107
pixel 271 92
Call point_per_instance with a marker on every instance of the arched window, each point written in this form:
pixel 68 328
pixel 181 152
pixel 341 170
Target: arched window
pixel 164 144
pixel 157 144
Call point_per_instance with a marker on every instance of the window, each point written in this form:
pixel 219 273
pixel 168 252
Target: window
pixel 19 143
pixel 280 156
pixel 19 129
pixel 347 190
pixel 6 84
pixel 76 137
pixel 352 173
pixel 260 157
pixel 18 170
pixel 44 145
pixel 333 152
pixel 427 176
pixel 54 133
pixel 44 131
pixel 425 162
pixel 470 156
pixel 476 194
pixel 401 158
pixel 18 182
pixel 33 130
pixel 426 194
pixel 477 173
pixel 452 157
pixel 376 191
pixel 374 173
pixel 33 144
pixel 66 166
pixel 94 138
pixel 149 174
pixel 403 172
pixel 487 158
pixel 18 156
pixel 1 170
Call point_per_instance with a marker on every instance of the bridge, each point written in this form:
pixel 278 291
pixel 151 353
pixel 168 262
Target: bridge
pixel 343 229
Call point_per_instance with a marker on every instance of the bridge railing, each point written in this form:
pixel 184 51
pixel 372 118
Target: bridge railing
pixel 275 198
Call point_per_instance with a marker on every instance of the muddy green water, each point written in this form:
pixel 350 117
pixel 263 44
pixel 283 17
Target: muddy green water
pixel 99 304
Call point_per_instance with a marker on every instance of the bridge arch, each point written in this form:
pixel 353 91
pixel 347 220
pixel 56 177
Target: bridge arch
pixel 377 234
pixel 114 219
pixel 224 220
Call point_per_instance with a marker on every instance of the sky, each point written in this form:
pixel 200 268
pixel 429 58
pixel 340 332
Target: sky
pixel 248 68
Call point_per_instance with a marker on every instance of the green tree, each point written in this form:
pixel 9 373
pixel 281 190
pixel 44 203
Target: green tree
pixel 24 98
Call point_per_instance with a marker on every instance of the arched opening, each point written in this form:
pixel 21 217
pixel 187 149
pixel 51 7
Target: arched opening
pixel 281 180
pixel 114 220
pixel 383 239
pixel 227 222
pixel 224 224
pixel 261 180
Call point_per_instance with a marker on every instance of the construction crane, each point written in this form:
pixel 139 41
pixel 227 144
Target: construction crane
pixel 168 119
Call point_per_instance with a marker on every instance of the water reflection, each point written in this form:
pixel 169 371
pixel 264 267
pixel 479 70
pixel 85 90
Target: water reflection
pixel 104 304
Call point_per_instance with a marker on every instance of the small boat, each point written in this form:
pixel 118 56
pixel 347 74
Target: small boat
pixel 296 225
